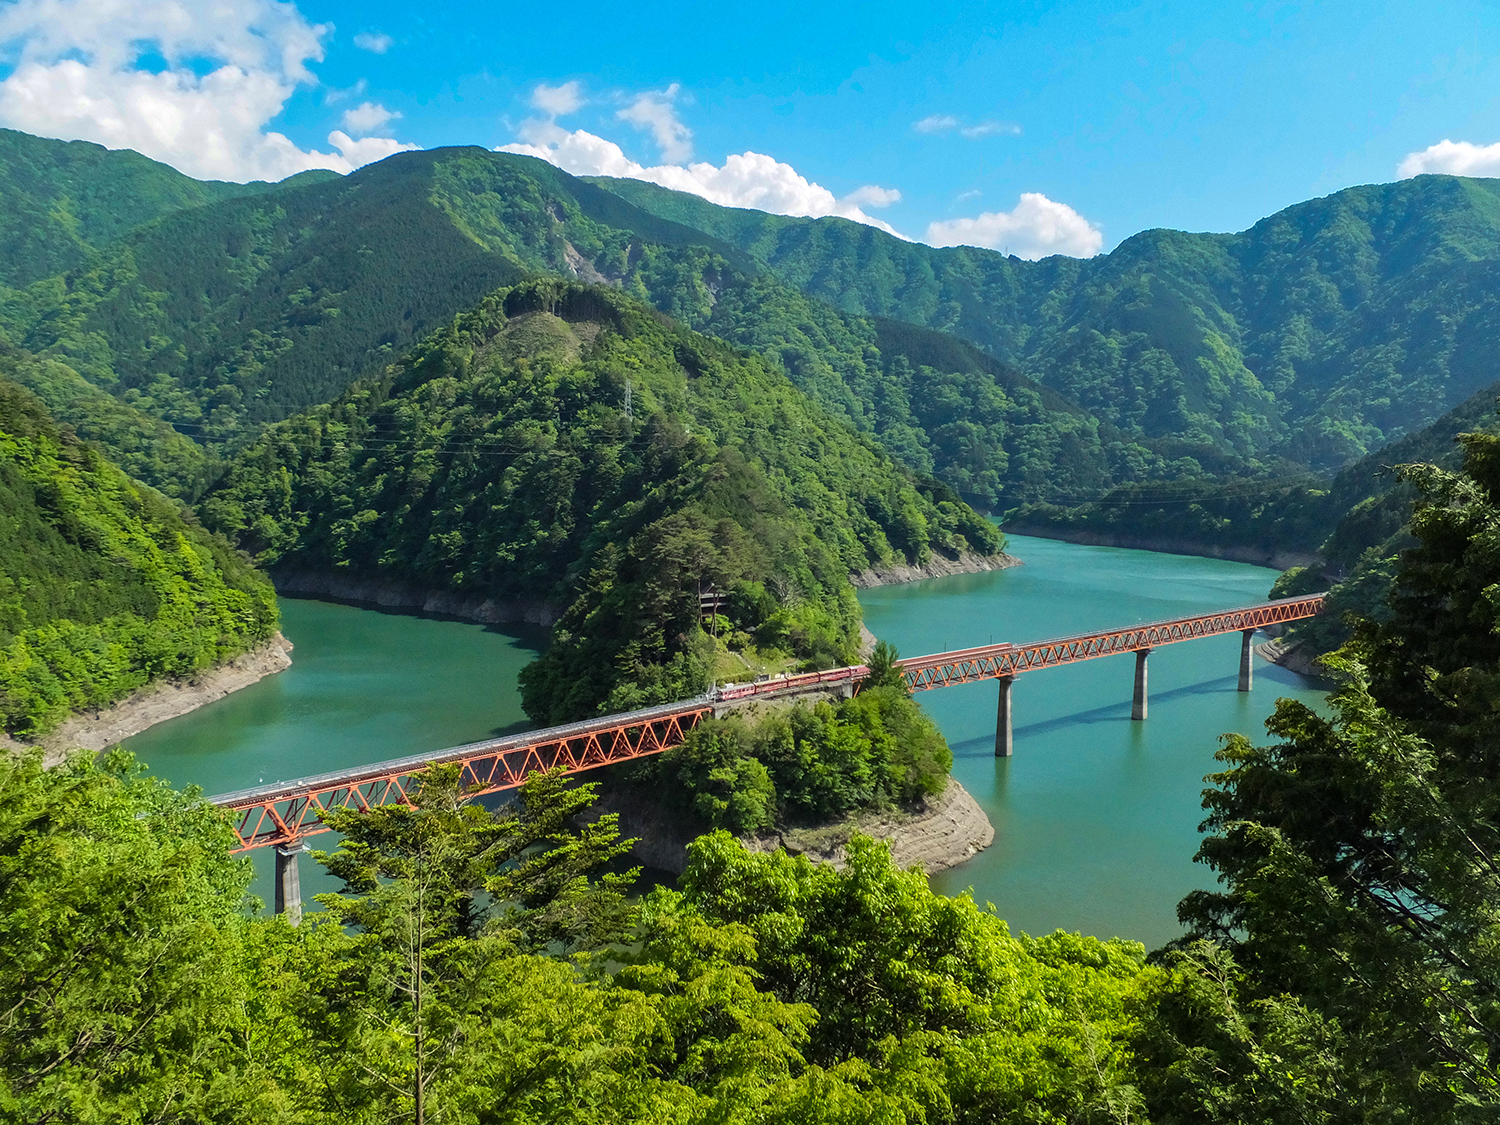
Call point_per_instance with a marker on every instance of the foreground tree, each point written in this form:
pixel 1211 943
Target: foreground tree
pixel 425 948
pixel 928 1008
pixel 1361 854
pixel 120 998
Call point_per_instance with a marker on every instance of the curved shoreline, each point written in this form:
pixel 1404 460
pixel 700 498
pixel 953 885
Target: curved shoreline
pixel 944 832
pixel 392 593
pixel 1293 656
pixel 169 699
pixel 156 703
pixel 893 574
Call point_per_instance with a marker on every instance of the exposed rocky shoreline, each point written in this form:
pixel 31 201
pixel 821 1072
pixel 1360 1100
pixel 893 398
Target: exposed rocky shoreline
pixel 1257 556
pixel 1293 656
pixel 890 574
pixel 389 593
pixel 159 702
pixel 944 832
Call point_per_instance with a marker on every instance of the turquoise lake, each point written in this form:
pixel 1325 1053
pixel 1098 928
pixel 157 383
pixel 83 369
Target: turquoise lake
pixel 1096 816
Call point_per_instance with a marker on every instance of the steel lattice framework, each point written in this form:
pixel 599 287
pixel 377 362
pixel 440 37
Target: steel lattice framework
pixel 288 811
pixel 284 813
pixel 992 662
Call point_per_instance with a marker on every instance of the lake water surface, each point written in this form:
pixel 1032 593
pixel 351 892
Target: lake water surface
pixel 1095 816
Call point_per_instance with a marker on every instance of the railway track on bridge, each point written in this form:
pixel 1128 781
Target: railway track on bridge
pixel 281 815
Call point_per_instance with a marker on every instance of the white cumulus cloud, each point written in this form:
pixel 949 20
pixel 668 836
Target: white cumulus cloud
pixel 937 123
pixel 749 179
pixel 990 129
pixel 78 75
pixel 946 123
pixel 1037 227
pixel 367 117
pixel 366 150
pixel 1456 158
pixel 555 101
pixel 872 195
pixel 376 42
pixel 655 113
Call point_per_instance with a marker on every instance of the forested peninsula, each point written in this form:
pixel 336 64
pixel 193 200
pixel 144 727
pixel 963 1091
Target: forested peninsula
pixel 564 444
pixel 480 965
pixel 677 433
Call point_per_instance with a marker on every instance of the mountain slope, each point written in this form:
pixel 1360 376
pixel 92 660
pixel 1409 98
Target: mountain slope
pixel 1316 336
pixel 223 317
pixel 62 201
pixel 1295 347
pixel 103 585
pixel 499 459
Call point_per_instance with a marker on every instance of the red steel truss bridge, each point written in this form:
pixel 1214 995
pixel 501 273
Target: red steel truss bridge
pixel 283 814
pixel 996 661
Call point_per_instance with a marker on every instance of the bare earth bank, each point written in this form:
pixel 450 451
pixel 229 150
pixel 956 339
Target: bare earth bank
pixel 944 832
pixel 394 594
pixel 889 574
pixel 389 593
pixel 160 702
pixel 1296 657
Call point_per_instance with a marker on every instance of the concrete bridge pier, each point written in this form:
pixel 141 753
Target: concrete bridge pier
pixel 1247 660
pixel 288 883
pixel 1138 704
pixel 1003 743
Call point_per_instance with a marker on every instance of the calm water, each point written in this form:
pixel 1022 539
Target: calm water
pixel 1095 816
pixel 363 686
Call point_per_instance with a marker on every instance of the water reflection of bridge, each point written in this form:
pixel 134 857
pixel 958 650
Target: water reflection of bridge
pixel 283 814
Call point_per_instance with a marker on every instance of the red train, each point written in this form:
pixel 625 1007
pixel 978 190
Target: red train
pixel 775 685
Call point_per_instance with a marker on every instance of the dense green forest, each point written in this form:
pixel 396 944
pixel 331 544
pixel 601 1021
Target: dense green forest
pixel 1296 347
pixel 66 201
pixel 562 442
pixel 105 585
pixel 222 317
pixel 480 966
pixel 1314 337
pixel 805 765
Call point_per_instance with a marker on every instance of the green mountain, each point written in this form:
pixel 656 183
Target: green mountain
pixel 226 316
pixel 104 585
pixel 567 443
pixel 64 201
pixel 1314 337
pixel 1280 354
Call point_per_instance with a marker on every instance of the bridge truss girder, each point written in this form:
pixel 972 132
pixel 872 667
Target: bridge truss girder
pixel 1000 661
pixel 286 813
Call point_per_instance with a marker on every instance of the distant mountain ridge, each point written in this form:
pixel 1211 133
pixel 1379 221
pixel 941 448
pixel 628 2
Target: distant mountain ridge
pixel 1316 336
pixel 223 317
pixel 66 200
pixel 1295 347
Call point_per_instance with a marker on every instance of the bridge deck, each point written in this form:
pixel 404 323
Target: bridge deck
pixel 994 661
pixel 285 812
pixel 288 810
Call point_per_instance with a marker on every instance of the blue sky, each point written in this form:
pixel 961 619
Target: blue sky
pixel 1108 118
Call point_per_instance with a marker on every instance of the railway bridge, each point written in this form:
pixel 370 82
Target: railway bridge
pixel 283 814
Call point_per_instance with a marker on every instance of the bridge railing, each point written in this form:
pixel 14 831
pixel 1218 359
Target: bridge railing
pixel 287 811
pixel 283 813
pixel 997 661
